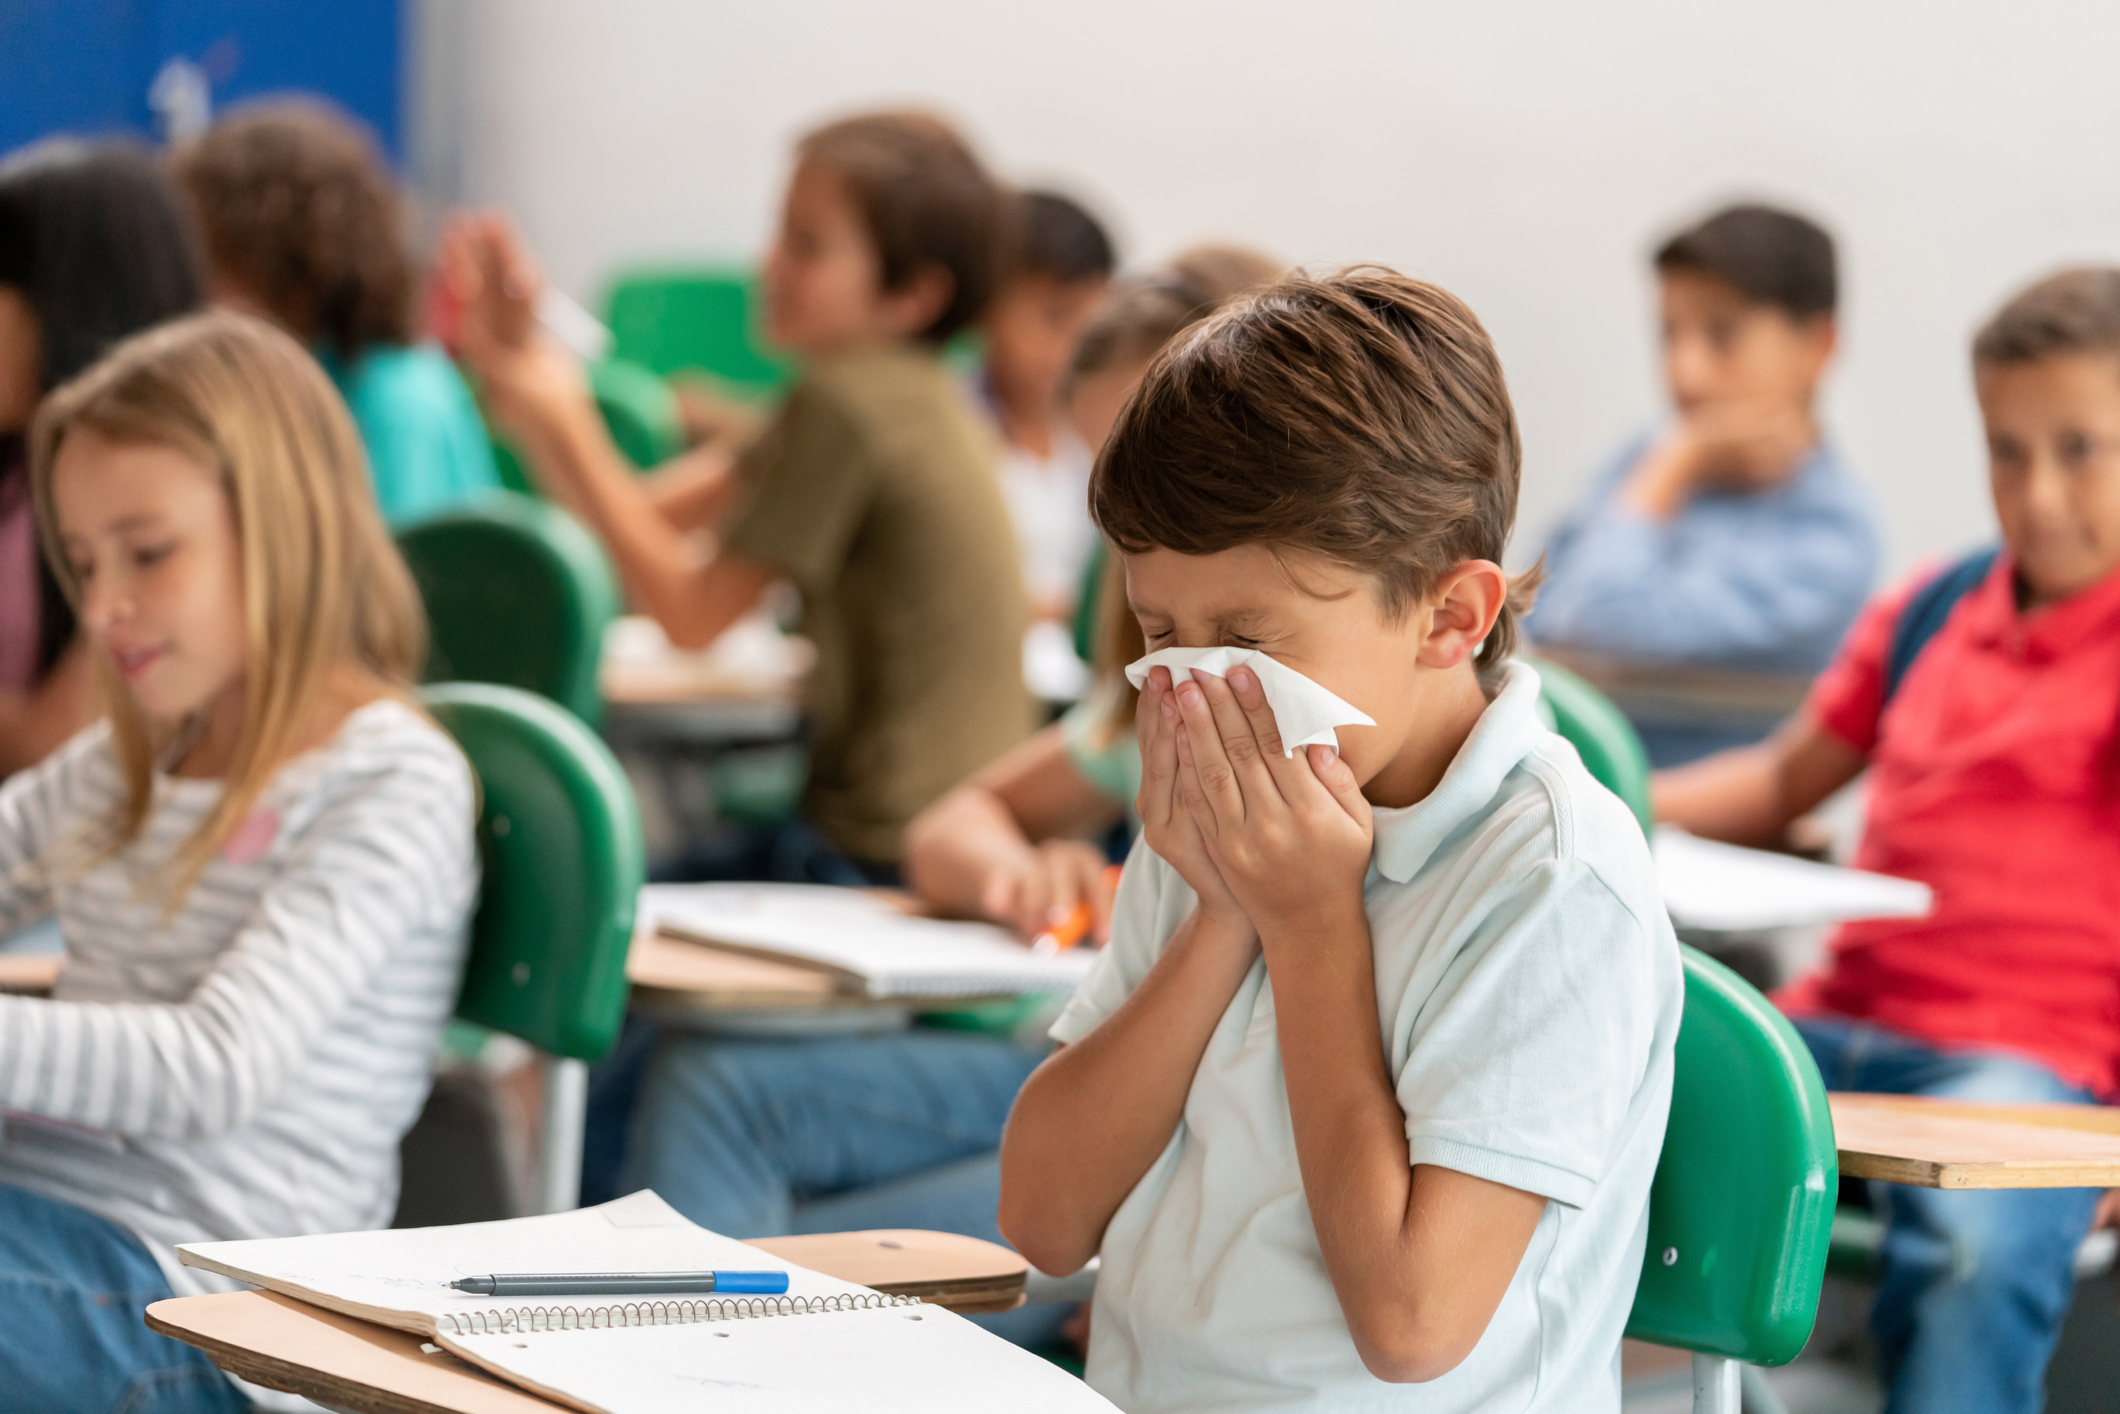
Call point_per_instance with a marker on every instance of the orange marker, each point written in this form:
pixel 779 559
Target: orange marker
pixel 1071 930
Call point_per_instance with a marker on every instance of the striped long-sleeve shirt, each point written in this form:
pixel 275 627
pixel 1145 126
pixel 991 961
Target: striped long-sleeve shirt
pixel 246 1068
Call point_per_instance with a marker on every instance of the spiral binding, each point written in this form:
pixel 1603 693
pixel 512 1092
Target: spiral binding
pixel 522 1320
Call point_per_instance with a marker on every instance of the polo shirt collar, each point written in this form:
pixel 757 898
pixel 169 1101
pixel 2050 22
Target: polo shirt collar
pixel 1507 732
pixel 2049 632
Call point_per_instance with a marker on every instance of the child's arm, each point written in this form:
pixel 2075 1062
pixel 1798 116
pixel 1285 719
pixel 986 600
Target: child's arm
pixel 1419 1255
pixel 536 393
pixel 1005 845
pixel 1093 1118
pixel 1750 795
pixel 396 856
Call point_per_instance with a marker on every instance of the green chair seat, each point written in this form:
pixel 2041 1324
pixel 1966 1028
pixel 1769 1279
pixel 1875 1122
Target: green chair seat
pixel 518 593
pixel 1605 739
pixel 1741 1211
pixel 560 847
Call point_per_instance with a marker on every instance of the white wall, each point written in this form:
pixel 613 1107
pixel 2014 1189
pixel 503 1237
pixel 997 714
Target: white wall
pixel 1525 153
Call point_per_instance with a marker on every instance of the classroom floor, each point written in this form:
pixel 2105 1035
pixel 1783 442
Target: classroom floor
pixel 1836 1374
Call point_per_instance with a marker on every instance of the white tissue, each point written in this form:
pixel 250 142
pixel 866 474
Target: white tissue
pixel 1303 712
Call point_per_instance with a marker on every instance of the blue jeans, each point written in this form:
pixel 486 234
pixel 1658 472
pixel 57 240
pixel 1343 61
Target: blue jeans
pixel 72 1336
pixel 1976 1284
pixel 757 1138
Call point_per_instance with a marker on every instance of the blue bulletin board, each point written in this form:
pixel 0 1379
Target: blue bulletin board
pixel 106 66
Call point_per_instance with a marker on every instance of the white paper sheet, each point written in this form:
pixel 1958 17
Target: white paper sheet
pixel 400 1277
pixel 1304 713
pixel 899 1360
pixel 1725 887
pixel 892 954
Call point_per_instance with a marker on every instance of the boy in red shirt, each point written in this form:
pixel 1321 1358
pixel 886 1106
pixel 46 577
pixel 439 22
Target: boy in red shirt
pixel 1985 702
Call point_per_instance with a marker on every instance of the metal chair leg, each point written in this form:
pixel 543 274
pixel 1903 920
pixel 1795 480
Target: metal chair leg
pixel 559 1178
pixel 1715 1385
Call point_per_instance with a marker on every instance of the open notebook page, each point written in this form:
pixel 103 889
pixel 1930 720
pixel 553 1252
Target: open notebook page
pixel 889 953
pixel 401 1277
pixel 1710 885
pixel 900 1360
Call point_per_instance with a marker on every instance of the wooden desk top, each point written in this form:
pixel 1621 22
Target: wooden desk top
pixel 1958 1144
pixel 286 1344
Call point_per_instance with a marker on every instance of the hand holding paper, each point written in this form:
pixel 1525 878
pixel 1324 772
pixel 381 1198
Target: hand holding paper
pixel 1304 713
pixel 1288 835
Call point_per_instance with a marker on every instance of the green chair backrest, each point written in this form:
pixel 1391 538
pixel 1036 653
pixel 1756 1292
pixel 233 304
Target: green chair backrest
pixel 701 317
pixel 1604 739
pixel 639 411
pixel 1741 1211
pixel 559 837
pixel 517 592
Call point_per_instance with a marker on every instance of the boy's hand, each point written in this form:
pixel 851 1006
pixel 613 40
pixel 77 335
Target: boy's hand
pixel 528 381
pixel 1734 446
pixel 1748 445
pixel 1041 890
pixel 1290 836
pixel 1166 824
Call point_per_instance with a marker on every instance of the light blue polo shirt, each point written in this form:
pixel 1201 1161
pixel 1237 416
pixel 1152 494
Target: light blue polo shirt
pixel 1529 992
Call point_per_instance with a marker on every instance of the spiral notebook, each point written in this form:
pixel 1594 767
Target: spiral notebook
pixel 872 947
pixel 823 1346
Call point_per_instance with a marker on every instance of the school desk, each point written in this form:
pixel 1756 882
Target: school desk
pixel 348 1363
pixel 1960 1144
pixel 744 689
pixel 671 978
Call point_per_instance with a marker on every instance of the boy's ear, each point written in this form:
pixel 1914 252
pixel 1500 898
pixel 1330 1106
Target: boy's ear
pixel 911 309
pixel 1461 612
pixel 1822 333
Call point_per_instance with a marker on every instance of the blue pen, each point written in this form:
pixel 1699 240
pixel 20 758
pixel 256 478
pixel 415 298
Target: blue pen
pixel 624 1283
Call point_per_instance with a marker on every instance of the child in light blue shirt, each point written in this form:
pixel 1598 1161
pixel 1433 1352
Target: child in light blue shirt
pixel 1735 537
pixel 1370 1084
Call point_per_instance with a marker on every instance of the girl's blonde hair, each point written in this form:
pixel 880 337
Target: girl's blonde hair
pixel 323 585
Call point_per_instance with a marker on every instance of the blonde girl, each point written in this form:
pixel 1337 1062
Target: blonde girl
pixel 261 861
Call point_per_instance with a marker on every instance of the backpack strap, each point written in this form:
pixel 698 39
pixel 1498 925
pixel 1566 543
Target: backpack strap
pixel 1926 612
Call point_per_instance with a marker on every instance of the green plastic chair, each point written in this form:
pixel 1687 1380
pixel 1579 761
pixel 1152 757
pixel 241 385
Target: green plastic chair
pixel 1741 1211
pixel 1600 735
pixel 559 838
pixel 518 593
pixel 695 317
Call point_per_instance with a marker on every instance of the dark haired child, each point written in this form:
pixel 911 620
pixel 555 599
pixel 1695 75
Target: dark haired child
pixel 1985 703
pixel 872 489
pixel 304 226
pixel 95 245
pixel 1059 271
pixel 1371 1082
pixel 1735 537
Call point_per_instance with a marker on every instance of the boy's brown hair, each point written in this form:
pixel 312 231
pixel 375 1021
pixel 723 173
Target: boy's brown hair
pixel 1150 310
pixel 926 201
pixel 2070 311
pixel 1769 256
pixel 1362 417
pixel 298 208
